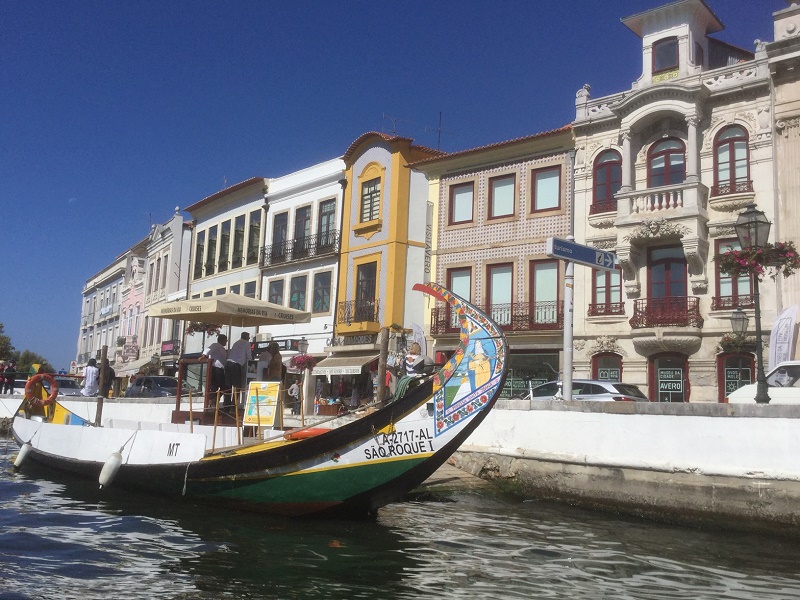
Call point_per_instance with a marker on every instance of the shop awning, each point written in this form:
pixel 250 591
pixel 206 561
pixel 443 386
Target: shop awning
pixel 344 364
pixel 131 368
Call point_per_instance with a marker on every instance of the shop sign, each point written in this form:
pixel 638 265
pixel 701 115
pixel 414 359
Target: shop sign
pixel 670 380
pixel 608 374
pixel 171 347
pixel 130 351
pixel 736 378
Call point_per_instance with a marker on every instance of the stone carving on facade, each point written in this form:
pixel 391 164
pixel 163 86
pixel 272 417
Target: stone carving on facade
pixel 607 343
pixel 764 118
pixel 731 79
pixel 604 244
pixel 579 345
pixel 603 220
pixel 656 228
pixel 628 259
pixel 784 125
pixel 721 230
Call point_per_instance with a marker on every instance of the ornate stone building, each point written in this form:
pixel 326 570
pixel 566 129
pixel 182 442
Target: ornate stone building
pixel 662 171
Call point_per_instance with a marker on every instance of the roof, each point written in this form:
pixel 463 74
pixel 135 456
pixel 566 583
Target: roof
pixel 493 146
pixel 229 190
pixel 638 22
pixel 391 139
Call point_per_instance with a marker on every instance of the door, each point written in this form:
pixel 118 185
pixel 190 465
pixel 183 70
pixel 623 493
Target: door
pixel 366 280
pixel 302 232
pixel 669 378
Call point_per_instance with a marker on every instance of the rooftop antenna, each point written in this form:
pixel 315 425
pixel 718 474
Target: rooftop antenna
pixel 439 132
pixel 394 121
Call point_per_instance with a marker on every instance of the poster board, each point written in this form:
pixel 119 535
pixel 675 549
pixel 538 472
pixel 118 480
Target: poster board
pixel 262 406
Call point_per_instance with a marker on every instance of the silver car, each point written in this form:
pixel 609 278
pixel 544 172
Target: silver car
pixel 590 389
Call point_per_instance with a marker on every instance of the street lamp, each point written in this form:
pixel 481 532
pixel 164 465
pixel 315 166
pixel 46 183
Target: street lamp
pixel 752 229
pixel 739 321
pixel 302 345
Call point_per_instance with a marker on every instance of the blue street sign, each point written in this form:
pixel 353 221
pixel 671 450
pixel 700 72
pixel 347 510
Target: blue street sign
pixel 578 253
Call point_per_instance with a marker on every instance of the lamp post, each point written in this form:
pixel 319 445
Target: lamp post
pixel 752 229
pixel 302 348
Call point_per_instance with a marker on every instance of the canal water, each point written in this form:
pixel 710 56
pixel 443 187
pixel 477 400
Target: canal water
pixel 59 539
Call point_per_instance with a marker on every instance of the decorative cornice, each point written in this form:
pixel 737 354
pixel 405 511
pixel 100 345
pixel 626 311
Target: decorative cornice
pixel 656 228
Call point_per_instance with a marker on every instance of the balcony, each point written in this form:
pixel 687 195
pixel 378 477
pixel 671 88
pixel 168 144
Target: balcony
pixel 726 189
pixel 312 246
pixel 606 309
pixel 596 208
pixel 678 311
pixel 357 311
pixel 516 316
pixel 731 302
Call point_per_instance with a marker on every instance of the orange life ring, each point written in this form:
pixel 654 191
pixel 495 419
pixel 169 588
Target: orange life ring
pixel 29 386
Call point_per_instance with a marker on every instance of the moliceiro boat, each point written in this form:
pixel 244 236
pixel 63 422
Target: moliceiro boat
pixel 350 470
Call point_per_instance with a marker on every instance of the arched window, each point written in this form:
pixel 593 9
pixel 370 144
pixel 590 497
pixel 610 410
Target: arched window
pixel 607 366
pixel 731 162
pixel 666 163
pixel 607 179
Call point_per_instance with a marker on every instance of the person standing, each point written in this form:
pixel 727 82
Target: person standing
pixel 219 355
pixel 294 394
pixel 11 376
pixel 275 365
pixel 236 366
pixel 91 374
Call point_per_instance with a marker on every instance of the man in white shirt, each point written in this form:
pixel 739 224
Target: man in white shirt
pixel 218 355
pixel 236 367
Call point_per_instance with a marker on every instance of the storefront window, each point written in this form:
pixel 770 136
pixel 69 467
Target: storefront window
pixel 541 367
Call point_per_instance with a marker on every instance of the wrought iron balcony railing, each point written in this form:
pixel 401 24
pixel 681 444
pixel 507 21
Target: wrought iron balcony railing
pixel 514 316
pixel 596 208
pixel 676 311
pixel 357 311
pixel 608 308
pixel 737 187
pixel 310 246
pixel 729 302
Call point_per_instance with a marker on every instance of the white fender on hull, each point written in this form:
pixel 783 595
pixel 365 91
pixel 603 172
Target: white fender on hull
pixel 23 453
pixel 110 469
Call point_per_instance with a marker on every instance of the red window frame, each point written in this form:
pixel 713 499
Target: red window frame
pixel 489 270
pixel 737 298
pixel 451 203
pixel 732 181
pixel 745 357
pixel 668 279
pixel 608 288
pixel 672 41
pixel 490 213
pixel 670 175
pixel 534 174
pixel 611 170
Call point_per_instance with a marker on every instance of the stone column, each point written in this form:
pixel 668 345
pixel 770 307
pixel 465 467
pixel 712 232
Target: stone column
pixel 692 151
pixel 627 161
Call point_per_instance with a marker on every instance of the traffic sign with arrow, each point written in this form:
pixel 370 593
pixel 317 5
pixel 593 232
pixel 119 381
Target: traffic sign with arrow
pixel 578 253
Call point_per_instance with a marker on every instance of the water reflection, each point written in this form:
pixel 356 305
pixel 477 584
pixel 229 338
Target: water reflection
pixel 63 539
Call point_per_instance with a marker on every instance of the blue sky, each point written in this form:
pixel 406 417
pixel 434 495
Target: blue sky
pixel 113 113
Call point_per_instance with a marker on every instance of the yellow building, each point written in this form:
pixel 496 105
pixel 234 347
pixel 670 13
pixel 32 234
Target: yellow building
pixel 386 241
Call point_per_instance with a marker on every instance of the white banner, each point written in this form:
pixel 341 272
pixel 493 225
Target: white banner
pixel 419 337
pixel 781 339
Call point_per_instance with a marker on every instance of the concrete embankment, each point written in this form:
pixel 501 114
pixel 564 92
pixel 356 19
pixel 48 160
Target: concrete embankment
pixel 735 465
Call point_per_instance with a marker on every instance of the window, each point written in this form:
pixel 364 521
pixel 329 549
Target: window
pixel 207 294
pixel 236 289
pixel 221 291
pixel 607 179
pixel 732 292
pixel 149 283
pixel 224 246
pixel 238 242
pixel 326 228
pixel 157 278
pixel 499 293
pixel 297 293
pixel 163 273
pixel 461 203
pixel 212 250
pixel 665 55
pixel 199 249
pixel 370 199
pixel 275 291
pixel 302 232
pixel 733 371
pixel 544 292
pixel 666 163
pixel 250 289
pixel 731 164
pixel 699 55
pixel 546 189
pixel 322 292
pixel 501 196
pixel 607 293
pixel 607 367
pixel 280 228
pixel 366 288
pixel 254 237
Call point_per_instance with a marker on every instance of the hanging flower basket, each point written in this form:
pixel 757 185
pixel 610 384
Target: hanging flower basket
pixel 780 257
pixel 302 362
pixel 208 328
pixel 732 342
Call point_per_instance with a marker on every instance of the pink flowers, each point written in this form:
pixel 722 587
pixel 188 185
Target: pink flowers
pixel 782 257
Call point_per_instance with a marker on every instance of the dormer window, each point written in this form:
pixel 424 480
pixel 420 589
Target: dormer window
pixel 665 55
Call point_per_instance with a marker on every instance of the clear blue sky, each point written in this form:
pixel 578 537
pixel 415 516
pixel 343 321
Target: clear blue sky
pixel 114 112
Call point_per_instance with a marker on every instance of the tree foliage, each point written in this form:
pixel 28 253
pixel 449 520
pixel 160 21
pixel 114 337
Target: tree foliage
pixel 25 359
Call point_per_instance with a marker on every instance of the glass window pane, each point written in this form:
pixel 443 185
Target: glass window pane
pixel 545 282
pixel 500 280
pixel 461 283
pixel 547 189
pixel 599 287
pixel 502 196
pixel 462 204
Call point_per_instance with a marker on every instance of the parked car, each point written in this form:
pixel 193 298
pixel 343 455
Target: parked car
pixel 783 386
pixel 67 386
pixel 155 386
pixel 590 389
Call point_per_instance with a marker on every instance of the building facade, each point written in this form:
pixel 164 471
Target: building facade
pixel 662 171
pixel 495 207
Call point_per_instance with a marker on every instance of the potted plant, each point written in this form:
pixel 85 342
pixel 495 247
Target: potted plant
pixel 780 257
pixel 302 362
pixel 209 329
